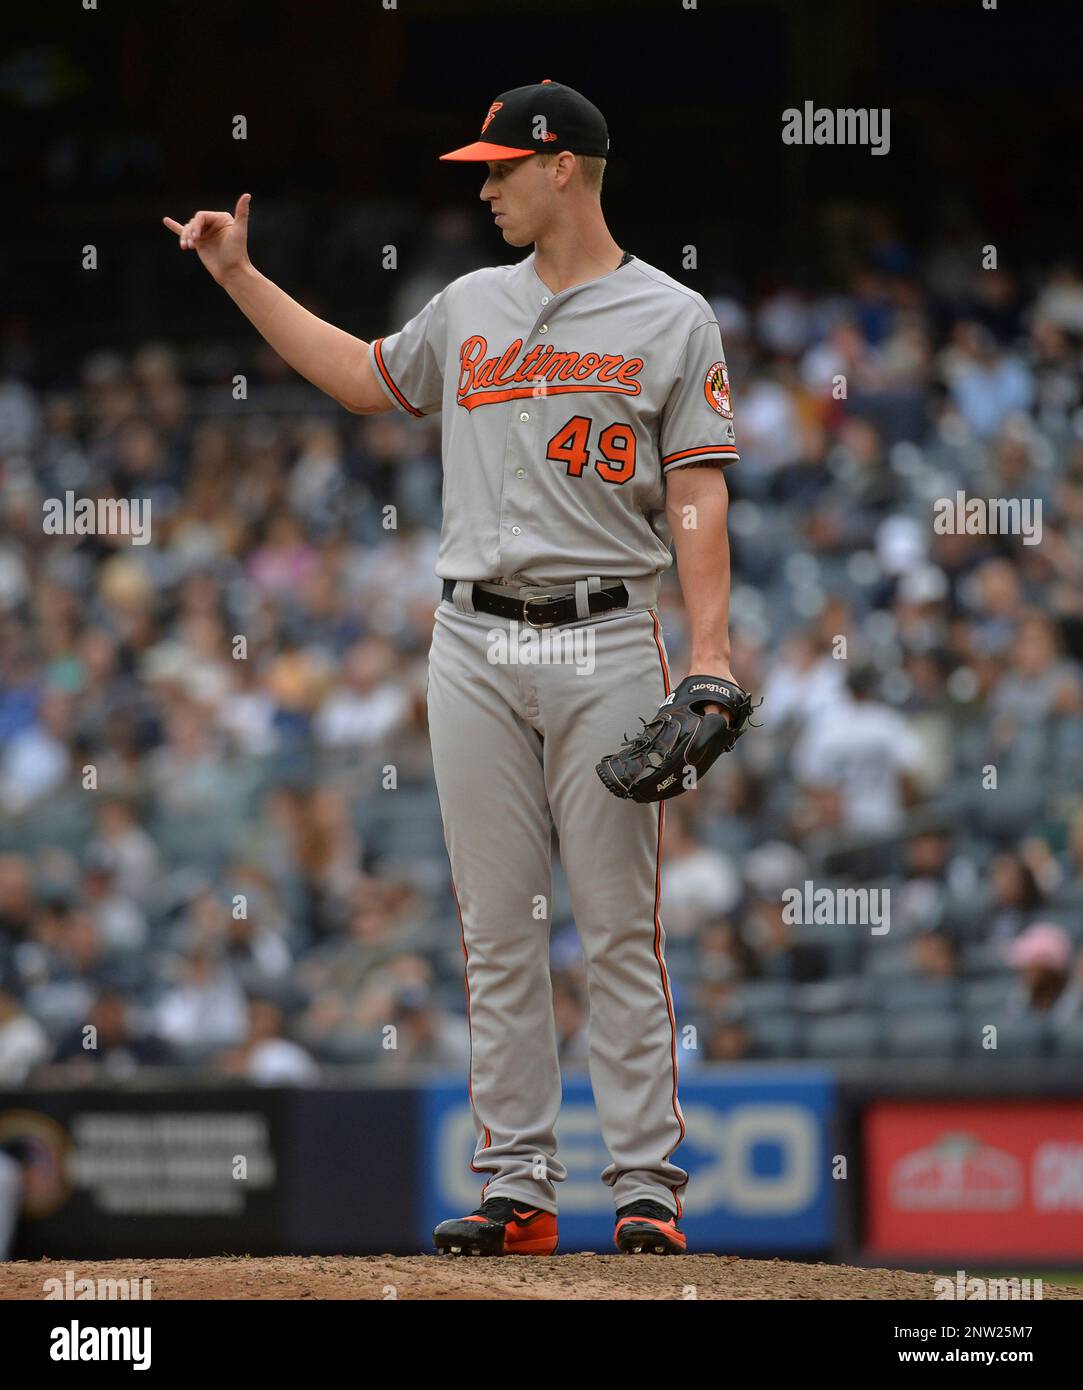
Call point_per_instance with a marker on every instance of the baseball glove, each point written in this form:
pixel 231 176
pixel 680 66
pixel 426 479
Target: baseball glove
pixel 653 765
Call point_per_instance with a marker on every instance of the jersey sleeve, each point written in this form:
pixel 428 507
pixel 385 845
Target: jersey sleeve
pixel 697 418
pixel 409 364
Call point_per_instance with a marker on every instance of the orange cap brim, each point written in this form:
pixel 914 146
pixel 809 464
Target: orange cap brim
pixel 481 150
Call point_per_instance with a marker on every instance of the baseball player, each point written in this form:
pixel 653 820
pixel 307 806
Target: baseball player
pixel 583 394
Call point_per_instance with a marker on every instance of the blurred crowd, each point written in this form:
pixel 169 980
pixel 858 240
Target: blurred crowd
pixel 220 846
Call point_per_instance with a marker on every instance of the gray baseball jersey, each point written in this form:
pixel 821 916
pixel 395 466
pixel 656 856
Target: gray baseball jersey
pixel 562 414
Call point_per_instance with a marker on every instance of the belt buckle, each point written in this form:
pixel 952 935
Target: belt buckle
pixel 535 598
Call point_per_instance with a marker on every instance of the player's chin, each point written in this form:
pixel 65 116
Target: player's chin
pixel 515 237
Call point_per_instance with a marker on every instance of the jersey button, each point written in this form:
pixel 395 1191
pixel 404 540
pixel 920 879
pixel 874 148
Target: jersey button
pixel 544 328
pixel 520 472
pixel 545 299
pixel 515 530
pixel 523 415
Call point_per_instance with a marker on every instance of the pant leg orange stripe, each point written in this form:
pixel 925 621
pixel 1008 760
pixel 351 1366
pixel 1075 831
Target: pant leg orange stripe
pixel 658 926
pixel 470 1034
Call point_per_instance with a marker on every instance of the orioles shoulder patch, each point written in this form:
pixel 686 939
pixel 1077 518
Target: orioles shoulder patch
pixel 716 389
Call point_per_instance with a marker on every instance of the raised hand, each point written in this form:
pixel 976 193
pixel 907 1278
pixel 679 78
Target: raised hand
pixel 221 240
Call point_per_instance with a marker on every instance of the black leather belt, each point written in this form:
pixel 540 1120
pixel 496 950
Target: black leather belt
pixel 543 610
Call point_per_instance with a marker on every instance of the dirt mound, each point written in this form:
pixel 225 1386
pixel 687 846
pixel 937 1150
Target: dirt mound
pixel 520 1277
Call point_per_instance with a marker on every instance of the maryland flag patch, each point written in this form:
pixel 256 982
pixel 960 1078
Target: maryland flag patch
pixel 716 389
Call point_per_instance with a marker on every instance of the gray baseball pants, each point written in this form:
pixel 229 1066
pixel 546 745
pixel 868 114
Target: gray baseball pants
pixel 514 747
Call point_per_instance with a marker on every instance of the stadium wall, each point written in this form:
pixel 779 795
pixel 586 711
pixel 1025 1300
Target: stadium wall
pixel 906 1166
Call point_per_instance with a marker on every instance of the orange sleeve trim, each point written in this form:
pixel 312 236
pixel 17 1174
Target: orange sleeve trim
pixel 378 358
pixel 723 451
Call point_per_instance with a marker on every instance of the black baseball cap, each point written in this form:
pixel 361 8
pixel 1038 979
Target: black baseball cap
pixel 511 126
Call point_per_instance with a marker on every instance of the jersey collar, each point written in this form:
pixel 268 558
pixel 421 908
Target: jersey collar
pixel 538 281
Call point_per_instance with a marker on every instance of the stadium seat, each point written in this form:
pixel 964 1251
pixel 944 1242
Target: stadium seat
pixel 833 995
pixel 778 1034
pixel 766 996
pixel 885 959
pixel 61 821
pixel 982 958
pixel 988 994
pixel 1067 909
pixel 351 1049
pixel 402 823
pixel 1066 749
pixel 918 995
pixel 929 1033
pixel 1067 1039
pixel 855 1036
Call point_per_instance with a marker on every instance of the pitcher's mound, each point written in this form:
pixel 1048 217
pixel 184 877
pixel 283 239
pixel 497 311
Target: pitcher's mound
pixel 515 1277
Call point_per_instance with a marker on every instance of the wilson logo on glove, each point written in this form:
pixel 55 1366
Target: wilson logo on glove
pixel 681 735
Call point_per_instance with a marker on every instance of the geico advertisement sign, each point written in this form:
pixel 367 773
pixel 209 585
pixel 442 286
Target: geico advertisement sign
pixel 724 1152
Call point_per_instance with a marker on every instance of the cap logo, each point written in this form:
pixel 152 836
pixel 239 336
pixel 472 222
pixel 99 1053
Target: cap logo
pixel 492 112
pixel 716 389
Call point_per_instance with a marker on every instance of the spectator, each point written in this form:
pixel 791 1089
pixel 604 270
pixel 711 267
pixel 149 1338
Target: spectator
pixel 1039 684
pixel 69 963
pixel 113 1048
pixel 859 765
pixel 285 560
pixel 17 900
pixel 37 760
pixel 205 1009
pixel 935 956
pixel 698 882
pixel 1042 955
pixel 779 954
pixel 369 701
pixel 126 848
pixel 727 1038
pixel 1016 897
pixel 266 1057
pixel 921 900
pixel 23 1041
pixel 428 1036
pixel 986 384
pixel 804 684
pixel 120 923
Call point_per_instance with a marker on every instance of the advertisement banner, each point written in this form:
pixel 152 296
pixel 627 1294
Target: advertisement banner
pixel 236 1171
pixel 757 1153
pixel 961 1178
pixel 129 1174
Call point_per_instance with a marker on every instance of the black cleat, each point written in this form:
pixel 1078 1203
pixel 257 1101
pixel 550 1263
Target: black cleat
pixel 648 1228
pixel 500 1226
